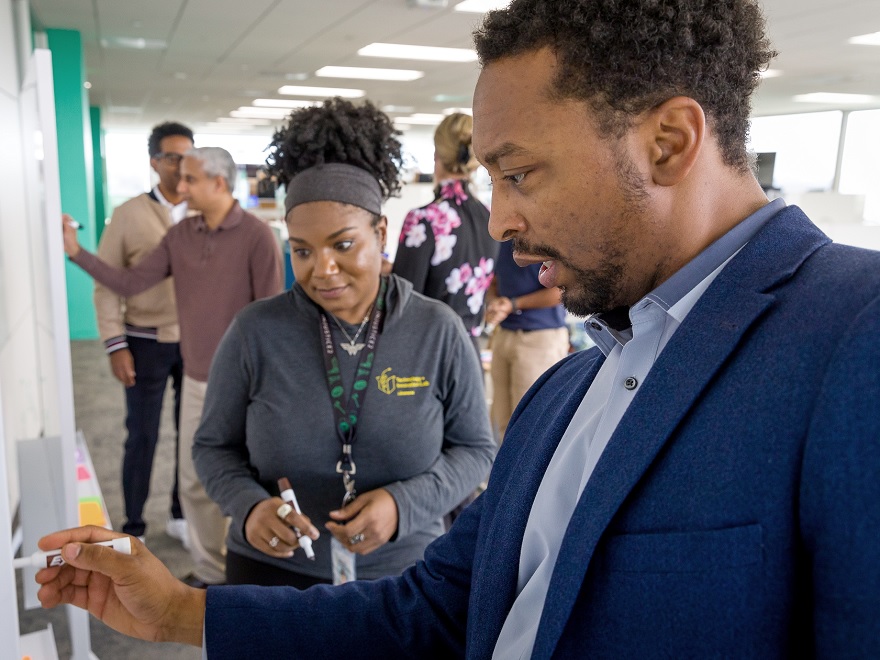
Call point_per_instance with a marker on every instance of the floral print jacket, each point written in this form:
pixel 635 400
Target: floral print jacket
pixel 446 252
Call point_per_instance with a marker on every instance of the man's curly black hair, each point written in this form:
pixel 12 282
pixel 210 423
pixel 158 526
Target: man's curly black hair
pixel 338 131
pixel 626 56
pixel 164 130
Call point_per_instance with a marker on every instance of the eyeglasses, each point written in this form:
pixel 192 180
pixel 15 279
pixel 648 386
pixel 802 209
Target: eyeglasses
pixel 171 157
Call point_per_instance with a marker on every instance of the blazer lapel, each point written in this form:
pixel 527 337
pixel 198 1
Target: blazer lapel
pixel 706 338
pixel 535 441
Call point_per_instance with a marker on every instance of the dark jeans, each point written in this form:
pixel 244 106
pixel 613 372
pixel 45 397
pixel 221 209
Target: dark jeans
pixel 154 364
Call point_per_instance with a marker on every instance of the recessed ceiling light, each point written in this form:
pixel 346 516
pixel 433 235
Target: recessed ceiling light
pixel 829 97
pixel 260 113
pixel 481 6
pixel 872 39
pixel 285 103
pixel 452 98
pixel 366 73
pixel 421 118
pixel 434 53
pixel 251 121
pixel 326 92
pixel 137 43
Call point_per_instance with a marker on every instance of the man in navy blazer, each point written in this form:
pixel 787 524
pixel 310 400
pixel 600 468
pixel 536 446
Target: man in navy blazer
pixel 705 482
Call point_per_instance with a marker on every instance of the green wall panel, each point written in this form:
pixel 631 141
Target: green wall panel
pixel 76 169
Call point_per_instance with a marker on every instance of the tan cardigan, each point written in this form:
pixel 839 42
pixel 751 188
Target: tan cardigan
pixel 137 226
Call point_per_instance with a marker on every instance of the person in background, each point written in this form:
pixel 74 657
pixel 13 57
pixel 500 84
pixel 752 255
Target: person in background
pixel 221 259
pixel 445 248
pixel 350 383
pixel 703 482
pixel 530 337
pixel 140 333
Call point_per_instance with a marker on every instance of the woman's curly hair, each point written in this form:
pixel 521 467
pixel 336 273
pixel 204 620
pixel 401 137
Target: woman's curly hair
pixel 338 131
pixel 626 56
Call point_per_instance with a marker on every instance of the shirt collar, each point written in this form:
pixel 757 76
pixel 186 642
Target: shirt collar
pixel 232 219
pixel 679 293
pixel 178 211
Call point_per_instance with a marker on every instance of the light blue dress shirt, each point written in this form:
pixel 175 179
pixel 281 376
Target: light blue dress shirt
pixel 629 356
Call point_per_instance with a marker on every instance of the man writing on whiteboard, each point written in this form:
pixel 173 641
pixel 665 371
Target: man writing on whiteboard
pixel 221 259
pixel 140 333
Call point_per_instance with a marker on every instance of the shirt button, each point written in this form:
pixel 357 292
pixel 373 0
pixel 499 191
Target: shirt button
pixel 631 383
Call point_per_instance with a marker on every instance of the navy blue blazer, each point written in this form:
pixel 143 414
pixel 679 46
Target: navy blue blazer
pixel 734 513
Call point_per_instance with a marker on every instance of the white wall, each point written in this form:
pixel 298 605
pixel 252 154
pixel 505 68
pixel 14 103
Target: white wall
pixel 19 367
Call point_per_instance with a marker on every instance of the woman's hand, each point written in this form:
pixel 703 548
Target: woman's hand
pixel 272 535
pixel 133 594
pixel 367 523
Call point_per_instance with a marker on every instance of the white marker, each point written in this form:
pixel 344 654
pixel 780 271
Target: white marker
pixel 289 496
pixel 54 558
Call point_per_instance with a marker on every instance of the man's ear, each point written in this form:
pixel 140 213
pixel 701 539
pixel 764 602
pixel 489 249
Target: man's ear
pixel 675 129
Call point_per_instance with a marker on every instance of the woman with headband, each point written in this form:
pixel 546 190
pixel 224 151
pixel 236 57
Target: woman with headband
pixel 445 249
pixel 364 394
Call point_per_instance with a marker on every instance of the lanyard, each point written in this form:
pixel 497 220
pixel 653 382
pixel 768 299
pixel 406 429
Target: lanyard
pixel 345 411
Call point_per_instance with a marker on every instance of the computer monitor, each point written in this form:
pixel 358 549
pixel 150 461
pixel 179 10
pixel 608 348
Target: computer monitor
pixel 765 163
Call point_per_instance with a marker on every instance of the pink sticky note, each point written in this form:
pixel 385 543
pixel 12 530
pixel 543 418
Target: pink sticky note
pixel 82 473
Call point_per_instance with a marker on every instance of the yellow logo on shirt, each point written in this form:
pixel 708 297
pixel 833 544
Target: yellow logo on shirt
pixel 400 385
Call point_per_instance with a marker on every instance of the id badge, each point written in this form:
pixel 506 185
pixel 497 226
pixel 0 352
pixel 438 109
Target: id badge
pixel 342 560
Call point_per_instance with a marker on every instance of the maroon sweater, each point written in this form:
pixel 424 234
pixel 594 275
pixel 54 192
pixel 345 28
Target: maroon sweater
pixel 216 273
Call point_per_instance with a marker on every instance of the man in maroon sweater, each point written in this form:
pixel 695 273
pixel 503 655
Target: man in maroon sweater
pixel 221 260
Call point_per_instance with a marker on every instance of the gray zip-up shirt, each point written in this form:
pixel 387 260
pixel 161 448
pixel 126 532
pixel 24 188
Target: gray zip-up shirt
pixel 424 431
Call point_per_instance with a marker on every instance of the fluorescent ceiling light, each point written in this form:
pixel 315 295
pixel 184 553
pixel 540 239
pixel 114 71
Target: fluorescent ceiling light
pixel 829 97
pixel 770 73
pixel 421 118
pixel 872 39
pixel 284 103
pixel 366 73
pixel 398 108
pixel 225 128
pixel 248 121
pixel 326 92
pixel 136 43
pixel 405 52
pixel 452 98
pixel 481 6
pixel 260 113
pixel 466 111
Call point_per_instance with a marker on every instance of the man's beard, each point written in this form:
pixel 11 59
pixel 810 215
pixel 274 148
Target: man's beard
pixel 599 289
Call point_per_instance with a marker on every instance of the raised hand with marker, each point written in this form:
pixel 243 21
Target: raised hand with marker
pixel 69 227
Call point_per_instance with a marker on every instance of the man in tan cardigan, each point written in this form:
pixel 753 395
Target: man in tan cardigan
pixel 140 332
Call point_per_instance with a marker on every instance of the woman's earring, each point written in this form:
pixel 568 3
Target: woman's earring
pixel 385 255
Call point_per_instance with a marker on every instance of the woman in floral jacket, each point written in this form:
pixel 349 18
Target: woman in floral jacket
pixel 445 249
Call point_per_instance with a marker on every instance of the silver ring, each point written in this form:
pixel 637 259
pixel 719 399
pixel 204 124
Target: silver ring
pixel 357 538
pixel 283 511
pixel 274 541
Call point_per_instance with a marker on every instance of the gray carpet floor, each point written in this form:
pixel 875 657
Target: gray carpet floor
pixel 100 413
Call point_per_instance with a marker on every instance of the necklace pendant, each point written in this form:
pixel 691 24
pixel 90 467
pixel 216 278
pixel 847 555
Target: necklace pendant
pixel 351 348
